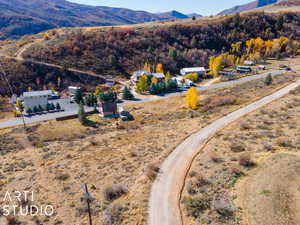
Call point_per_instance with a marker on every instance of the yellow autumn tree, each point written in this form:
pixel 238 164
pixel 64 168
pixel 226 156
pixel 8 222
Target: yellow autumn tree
pixel 159 68
pixel 98 90
pixel 142 85
pixel 154 80
pixel 217 65
pixel 168 76
pixel 147 67
pixel 192 98
pixel 269 45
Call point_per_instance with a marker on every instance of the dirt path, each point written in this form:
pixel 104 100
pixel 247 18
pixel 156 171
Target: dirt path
pixel 166 191
pixel 19 57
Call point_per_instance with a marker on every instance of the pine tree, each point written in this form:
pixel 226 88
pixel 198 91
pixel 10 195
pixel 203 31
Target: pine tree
pixel 81 114
pixel 269 79
pixel 126 94
pixel 78 96
pixel 192 98
pixel 29 111
pixel 58 106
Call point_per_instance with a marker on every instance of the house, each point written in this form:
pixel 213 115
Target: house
pixel 249 63
pixel 200 70
pixel 137 74
pixel 72 90
pixel 159 76
pixel 36 98
pixel 243 69
pixel 182 82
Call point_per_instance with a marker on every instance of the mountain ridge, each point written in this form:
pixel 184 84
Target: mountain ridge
pixel 21 17
pixel 248 6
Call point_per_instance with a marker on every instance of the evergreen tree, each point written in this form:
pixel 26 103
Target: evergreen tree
pixel 269 79
pixel 78 96
pixel 81 114
pixel 58 106
pixel 40 108
pixel 35 109
pixel 126 94
pixel 48 107
pixel 153 89
pixel 29 111
pixel 52 106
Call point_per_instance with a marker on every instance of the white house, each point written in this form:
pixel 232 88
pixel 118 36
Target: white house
pixel 199 70
pixel 159 76
pixel 249 63
pixel 36 98
pixel 137 74
pixel 182 82
pixel 72 90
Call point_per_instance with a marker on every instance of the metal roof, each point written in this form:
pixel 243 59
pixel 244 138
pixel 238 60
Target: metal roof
pixel 159 75
pixel 194 69
pixel 37 93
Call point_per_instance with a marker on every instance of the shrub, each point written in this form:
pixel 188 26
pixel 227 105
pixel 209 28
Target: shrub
pixel 269 79
pixel 223 206
pixel 112 215
pixel 196 205
pixel 237 147
pixel 201 180
pixel 215 158
pixel 151 171
pixel 284 142
pixel 126 94
pixel 245 160
pixel 192 76
pixel 113 192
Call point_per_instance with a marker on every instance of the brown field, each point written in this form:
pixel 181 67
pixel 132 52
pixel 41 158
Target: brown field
pixel 249 172
pixel 55 159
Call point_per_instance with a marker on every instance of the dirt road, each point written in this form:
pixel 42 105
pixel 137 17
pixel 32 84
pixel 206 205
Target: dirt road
pixel 166 190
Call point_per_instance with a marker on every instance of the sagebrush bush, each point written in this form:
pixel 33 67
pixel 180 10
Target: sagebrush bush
pixel 112 215
pixel 115 191
pixel 246 161
pixel 196 205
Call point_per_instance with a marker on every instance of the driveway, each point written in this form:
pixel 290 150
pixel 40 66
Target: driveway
pixel 166 190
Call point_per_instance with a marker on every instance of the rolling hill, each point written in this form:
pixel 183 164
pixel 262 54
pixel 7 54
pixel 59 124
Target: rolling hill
pixel 21 17
pixel 248 6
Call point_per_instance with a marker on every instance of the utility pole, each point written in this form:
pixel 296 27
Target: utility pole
pixel 88 199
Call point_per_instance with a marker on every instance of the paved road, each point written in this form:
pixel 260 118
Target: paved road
pixel 166 190
pixel 218 85
pixel 69 110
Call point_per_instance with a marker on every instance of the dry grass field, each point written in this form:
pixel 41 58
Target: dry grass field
pixel 118 160
pixel 249 172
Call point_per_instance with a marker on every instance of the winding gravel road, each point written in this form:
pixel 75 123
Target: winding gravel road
pixel 166 190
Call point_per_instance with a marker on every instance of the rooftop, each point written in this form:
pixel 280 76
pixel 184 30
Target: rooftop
pixel 194 69
pixel 37 93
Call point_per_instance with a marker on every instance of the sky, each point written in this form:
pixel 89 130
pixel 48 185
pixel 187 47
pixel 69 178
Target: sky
pixel 203 7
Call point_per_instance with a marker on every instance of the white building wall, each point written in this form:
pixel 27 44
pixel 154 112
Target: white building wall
pixel 30 102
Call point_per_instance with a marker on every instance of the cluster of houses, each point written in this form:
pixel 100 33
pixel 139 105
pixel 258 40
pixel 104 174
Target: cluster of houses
pixel 201 71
